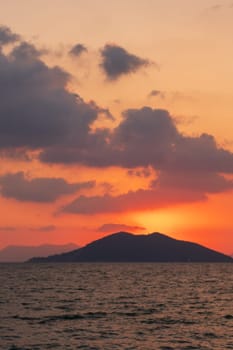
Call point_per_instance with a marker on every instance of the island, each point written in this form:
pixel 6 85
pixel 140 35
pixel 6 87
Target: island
pixel 128 247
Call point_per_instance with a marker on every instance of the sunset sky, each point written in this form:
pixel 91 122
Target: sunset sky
pixel 116 115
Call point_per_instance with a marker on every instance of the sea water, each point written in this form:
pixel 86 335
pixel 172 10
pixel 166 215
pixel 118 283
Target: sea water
pixel 116 306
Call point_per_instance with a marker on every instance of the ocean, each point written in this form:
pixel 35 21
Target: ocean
pixel 116 306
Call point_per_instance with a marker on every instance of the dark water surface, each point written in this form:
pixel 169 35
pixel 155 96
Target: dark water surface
pixel 116 306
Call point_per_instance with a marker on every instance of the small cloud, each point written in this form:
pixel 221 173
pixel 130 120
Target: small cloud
pixel 7 228
pixel 7 36
pixel 119 227
pixel 156 93
pixel 47 228
pixel 216 8
pixel 77 50
pixel 42 190
pixel 180 96
pixel 116 61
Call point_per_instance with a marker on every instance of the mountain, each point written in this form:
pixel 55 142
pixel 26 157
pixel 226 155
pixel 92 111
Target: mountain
pixel 127 247
pixel 22 253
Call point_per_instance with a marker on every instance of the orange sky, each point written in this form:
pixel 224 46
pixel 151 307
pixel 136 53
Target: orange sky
pixel 148 170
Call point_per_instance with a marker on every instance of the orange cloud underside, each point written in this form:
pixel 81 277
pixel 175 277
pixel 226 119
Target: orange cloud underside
pixel 204 222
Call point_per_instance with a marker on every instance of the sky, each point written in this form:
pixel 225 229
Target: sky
pixel 116 115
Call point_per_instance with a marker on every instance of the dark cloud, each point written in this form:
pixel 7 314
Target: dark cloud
pixel 197 181
pixel 19 187
pixel 149 138
pixel 157 93
pixel 120 227
pixel 44 113
pixel 77 50
pixel 47 228
pixel 199 154
pixel 143 138
pixel 7 36
pixel 116 61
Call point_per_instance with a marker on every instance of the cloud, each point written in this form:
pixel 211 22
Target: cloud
pixel 44 112
pixel 149 137
pixel 188 168
pixel 143 138
pixel 7 228
pixel 169 189
pixel 15 154
pixel 61 127
pixel 45 190
pixel 157 93
pixel 116 61
pixel 7 36
pixel 47 228
pixel 139 200
pixel 214 8
pixel 120 227
pixel 77 50
pixel 145 172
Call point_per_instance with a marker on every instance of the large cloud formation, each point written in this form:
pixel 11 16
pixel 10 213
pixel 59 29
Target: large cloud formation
pixel 17 186
pixel 116 61
pixel 188 168
pixel 43 112
pixel 45 116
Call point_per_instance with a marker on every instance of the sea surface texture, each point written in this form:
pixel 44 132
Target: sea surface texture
pixel 116 306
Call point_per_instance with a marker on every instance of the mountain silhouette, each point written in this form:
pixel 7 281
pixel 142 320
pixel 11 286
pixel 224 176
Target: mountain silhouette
pixel 128 247
pixel 14 253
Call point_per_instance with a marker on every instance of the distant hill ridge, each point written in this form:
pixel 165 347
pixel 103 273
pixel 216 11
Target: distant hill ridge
pixel 14 253
pixel 128 247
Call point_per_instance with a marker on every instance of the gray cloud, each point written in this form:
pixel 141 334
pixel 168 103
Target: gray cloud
pixel 7 36
pixel 15 154
pixel 77 50
pixel 47 228
pixel 116 61
pixel 17 186
pixel 143 138
pixel 150 138
pixel 120 227
pixel 157 93
pixel 44 113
